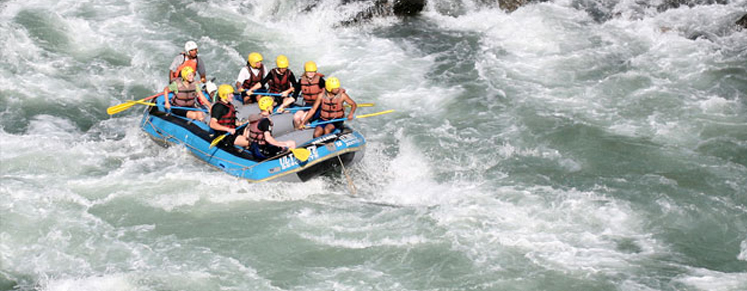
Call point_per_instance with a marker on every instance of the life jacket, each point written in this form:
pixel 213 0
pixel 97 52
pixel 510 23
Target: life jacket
pixel 310 87
pixel 332 106
pixel 255 135
pixel 228 119
pixel 279 84
pixel 253 79
pixel 186 63
pixel 185 95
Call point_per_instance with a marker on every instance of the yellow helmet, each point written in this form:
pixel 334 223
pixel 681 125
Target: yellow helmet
pixel 265 103
pixel 282 61
pixel 332 83
pixel 225 91
pixel 253 59
pixel 309 66
pixel 186 71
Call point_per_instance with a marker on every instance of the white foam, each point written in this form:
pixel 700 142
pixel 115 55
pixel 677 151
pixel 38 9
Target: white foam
pixel 710 280
pixel 112 282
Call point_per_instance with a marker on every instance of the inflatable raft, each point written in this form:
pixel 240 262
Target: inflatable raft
pixel 326 152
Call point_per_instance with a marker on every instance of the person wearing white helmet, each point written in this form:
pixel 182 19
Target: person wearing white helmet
pixel 187 58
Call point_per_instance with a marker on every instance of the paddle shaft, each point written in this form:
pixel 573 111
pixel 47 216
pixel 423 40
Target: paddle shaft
pixel 343 119
pixel 124 106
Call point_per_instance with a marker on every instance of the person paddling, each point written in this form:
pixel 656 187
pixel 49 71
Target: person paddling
pixel 223 118
pixel 263 144
pixel 249 75
pixel 186 93
pixel 281 81
pixel 311 84
pixel 330 103
pixel 187 58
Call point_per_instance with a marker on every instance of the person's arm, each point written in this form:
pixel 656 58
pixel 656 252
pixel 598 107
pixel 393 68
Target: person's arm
pixel 174 65
pixel 201 70
pixel 353 106
pixel 166 100
pixel 312 111
pixel 216 112
pixel 217 126
pixel 243 75
pixel 260 84
pixel 297 88
pixel 292 87
pixel 283 144
pixel 204 100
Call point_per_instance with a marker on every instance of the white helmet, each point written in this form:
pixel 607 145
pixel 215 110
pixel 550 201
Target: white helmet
pixel 190 45
pixel 210 87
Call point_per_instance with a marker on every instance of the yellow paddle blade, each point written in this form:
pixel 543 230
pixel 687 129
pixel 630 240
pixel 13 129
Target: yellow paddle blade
pixel 374 114
pixel 217 140
pixel 301 154
pixel 124 106
pixel 120 107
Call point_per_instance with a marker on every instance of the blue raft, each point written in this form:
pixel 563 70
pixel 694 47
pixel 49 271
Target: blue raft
pixel 327 152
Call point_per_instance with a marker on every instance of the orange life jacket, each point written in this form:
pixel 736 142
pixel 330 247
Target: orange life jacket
pixel 187 63
pixel 310 88
pixel 332 106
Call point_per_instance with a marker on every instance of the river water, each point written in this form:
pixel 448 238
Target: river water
pixel 569 145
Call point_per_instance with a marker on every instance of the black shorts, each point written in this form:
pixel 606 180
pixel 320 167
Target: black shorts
pixel 231 138
pixel 262 152
pixel 180 112
pixel 338 125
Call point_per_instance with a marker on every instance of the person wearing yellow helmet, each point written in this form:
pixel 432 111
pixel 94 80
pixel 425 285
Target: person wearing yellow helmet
pixel 251 74
pixel 310 84
pixel 223 118
pixel 186 94
pixel 281 81
pixel 187 58
pixel 330 102
pixel 263 144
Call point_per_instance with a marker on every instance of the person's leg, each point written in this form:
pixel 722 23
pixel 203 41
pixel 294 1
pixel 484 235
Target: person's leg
pixel 241 141
pixel 318 131
pixel 329 128
pixel 298 117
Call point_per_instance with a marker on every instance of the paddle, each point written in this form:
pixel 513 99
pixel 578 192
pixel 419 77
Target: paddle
pixel 343 119
pixel 293 109
pixel 172 107
pixel 301 154
pixel 124 106
pixel 260 93
pixel 218 139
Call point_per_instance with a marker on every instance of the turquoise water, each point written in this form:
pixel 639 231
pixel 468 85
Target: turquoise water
pixel 569 145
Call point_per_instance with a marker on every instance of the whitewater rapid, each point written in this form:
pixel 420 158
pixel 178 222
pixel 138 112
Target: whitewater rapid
pixel 589 145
